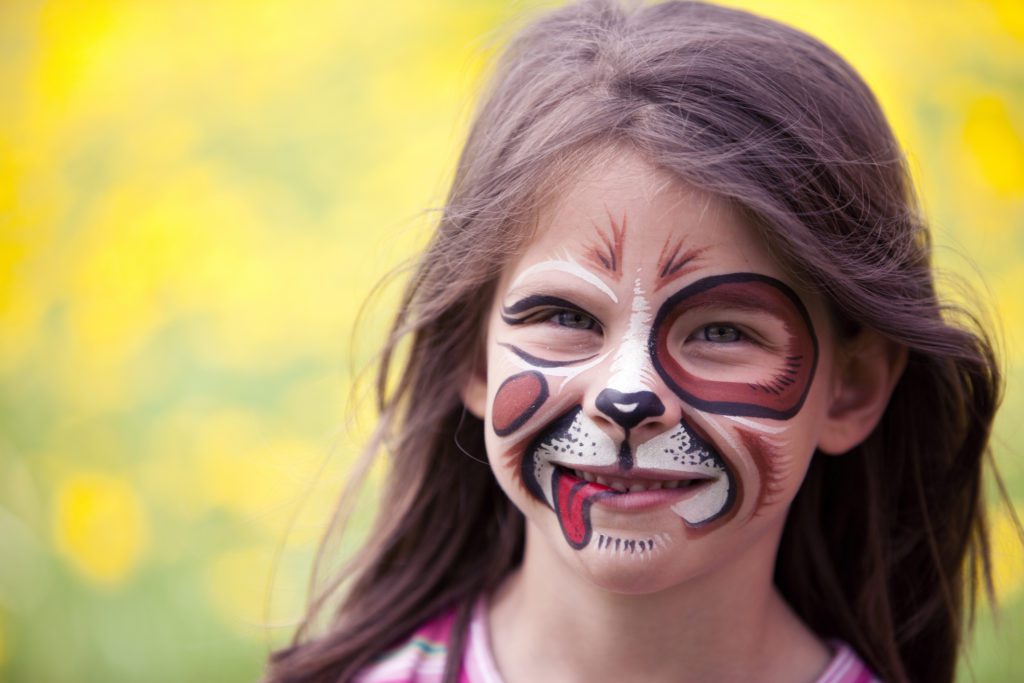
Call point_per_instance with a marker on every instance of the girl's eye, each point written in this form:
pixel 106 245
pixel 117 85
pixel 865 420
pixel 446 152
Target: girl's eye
pixel 721 334
pixel 574 320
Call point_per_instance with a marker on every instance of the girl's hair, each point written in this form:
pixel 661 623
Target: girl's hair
pixel 882 547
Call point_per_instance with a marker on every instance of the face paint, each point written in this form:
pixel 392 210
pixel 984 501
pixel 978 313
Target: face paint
pixel 642 548
pixel 630 370
pixel 772 465
pixel 675 262
pixel 570 497
pixel 518 398
pixel 574 440
pixel 656 413
pixel 780 393
pixel 572 268
pixel 605 252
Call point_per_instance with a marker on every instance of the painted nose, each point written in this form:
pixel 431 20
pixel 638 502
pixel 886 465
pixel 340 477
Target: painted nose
pixel 629 409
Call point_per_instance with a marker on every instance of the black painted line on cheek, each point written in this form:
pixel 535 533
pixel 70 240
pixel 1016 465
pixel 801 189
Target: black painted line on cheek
pixel 558 428
pixel 543 362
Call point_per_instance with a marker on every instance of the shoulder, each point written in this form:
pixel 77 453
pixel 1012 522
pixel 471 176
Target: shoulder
pixel 846 667
pixel 420 659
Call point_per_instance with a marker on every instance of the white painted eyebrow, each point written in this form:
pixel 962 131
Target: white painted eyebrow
pixel 572 268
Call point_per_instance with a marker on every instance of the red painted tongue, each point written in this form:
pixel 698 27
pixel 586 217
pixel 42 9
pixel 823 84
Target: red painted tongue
pixel 573 498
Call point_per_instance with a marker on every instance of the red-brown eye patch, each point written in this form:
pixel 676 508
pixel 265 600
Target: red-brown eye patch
pixel 517 399
pixel 779 398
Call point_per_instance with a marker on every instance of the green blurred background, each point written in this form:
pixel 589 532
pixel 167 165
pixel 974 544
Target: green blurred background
pixel 195 199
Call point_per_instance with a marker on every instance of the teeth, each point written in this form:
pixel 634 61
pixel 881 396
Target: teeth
pixel 625 486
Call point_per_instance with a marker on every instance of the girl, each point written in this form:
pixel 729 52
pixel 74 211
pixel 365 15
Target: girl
pixel 680 402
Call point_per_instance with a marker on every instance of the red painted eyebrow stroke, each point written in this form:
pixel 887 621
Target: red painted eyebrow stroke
pixel 673 265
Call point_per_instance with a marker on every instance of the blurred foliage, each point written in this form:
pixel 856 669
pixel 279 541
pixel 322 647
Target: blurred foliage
pixel 195 200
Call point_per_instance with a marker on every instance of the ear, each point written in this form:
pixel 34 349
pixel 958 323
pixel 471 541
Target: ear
pixel 474 390
pixel 866 370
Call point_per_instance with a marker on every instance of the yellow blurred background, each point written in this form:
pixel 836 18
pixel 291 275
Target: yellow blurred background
pixel 195 200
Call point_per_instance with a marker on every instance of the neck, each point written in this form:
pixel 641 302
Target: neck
pixel 549 623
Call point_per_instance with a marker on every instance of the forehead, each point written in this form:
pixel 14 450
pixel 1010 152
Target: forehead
pixel 652 212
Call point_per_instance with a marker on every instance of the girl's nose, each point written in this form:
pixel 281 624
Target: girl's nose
pixel 629 409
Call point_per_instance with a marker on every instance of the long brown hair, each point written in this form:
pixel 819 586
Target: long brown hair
pixel 884 547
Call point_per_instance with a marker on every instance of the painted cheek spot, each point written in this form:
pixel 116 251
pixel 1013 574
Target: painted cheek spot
pixel 516 401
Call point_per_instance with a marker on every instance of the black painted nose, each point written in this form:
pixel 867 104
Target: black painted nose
pixel 629 410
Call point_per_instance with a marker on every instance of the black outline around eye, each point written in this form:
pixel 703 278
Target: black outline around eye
pixel 736 407
pixel 543 362
pixel 536 301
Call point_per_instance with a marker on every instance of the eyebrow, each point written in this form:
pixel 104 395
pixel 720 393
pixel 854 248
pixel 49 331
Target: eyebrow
pixel 673 265
pixel 606 250
pixel 570 268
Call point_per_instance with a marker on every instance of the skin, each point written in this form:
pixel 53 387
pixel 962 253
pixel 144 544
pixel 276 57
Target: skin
pixel 659 295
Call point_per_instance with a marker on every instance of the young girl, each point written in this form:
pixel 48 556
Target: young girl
pixel 680 402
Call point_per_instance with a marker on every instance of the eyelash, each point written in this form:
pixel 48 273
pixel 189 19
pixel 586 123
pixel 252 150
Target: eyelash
pixel 556 317
pixel 703 333
pixel 552 315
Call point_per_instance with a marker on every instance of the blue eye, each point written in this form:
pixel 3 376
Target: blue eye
pixel 721 334
pixel 574 320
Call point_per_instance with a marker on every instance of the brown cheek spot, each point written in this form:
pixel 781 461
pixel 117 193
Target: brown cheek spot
pixel 769 462
pixel 516 401
pixel 513 460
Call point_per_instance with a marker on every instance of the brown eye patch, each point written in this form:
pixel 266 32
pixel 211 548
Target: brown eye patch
pixel 516 401
pixel 782 396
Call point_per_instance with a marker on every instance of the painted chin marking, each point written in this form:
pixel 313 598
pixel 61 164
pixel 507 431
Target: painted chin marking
pixel 639 548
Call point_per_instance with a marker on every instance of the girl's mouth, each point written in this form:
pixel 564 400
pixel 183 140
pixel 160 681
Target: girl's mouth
pixel 640 491
pixel 636 484
pixel 574 491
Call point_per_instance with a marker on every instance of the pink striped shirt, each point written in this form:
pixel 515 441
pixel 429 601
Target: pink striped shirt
pixel 421 658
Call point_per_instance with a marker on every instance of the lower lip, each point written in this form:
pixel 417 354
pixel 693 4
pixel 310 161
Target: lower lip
pixel 637 501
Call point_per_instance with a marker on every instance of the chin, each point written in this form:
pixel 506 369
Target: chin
pixel 624 574
pixel 625 559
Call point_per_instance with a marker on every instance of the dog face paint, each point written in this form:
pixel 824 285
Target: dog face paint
pixel 652 377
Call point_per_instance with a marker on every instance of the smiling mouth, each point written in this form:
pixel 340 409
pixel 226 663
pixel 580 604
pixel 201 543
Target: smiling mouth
pixel 573 495
pixel 685 474
pixel 638 481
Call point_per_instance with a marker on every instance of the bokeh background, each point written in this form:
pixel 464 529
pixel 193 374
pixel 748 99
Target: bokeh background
pixel 195 199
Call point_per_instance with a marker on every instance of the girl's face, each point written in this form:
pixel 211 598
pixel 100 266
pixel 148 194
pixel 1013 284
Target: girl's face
pixel 655 387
